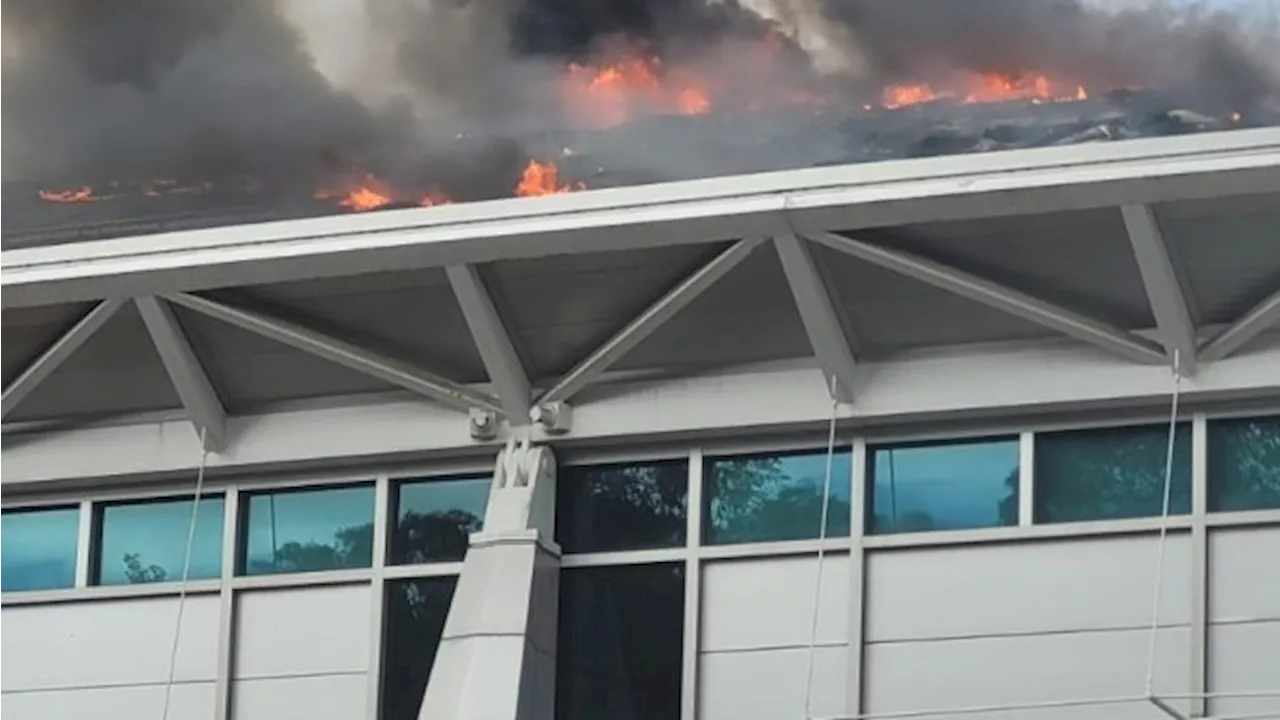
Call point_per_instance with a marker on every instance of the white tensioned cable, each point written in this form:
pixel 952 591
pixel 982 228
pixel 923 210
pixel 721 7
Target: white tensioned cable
pixel 186 572
pixel 822 542
pixel 1164 526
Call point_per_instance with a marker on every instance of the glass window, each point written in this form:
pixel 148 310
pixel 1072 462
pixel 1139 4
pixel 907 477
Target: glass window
pixel 435 518
pixel 1244 464
pixel 949 486
pixel 1110 473
pixel 620 644
pixel 306 530
pixel 758 498
pixel 628 506
pixel 147 541
pixel 38 549
pixel 415 614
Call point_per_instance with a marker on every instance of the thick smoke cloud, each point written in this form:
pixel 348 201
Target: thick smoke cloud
pixel 106 89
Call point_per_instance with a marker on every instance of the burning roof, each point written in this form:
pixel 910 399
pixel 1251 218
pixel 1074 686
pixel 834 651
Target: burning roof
pixel 203 112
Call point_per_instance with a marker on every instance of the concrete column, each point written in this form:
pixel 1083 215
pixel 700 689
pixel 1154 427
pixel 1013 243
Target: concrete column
pixel 497 656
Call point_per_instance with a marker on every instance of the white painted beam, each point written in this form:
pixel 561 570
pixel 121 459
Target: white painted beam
pixel 493 341
pixel 57 353
pixel 1260 318
pixel 672 302
pixel 880 194
pixel 1046 380
pixel 818 313
pixel 396 372
pixel 1002 298
pixel 185 371
pixel 1169 305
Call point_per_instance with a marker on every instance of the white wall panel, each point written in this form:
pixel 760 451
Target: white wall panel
pixel 768 603
pixel 757 618
pixel 108 643
pixel 302 631
pixel 1025 669
pixel 1245 657
pixel 188 701
pixel 1050 586
pixel 323 697
pixel 770 684
pixel 1244 575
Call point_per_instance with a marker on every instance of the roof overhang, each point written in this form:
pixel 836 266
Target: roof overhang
pixel 796 202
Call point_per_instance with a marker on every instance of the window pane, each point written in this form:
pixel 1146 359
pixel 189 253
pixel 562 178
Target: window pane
pixel 38 549
pixel 951 486
pixel 434 519
pixel 758 498
pixel 1110 473
pixel 1244 464
pixel 147 542
pixel 621 639
pixel 622 507
pixel 415 615
pixel 299 531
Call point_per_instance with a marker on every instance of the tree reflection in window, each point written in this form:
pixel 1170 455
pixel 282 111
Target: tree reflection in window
pixel 416 611
pixel 630 506
pixel 1110 473
pixel 1244 464
pixel 943 486
pixel 308 530
pixel 761 498
pixel 435 518
pixel 146 542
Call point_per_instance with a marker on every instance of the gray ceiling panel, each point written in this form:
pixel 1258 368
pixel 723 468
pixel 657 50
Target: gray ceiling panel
pixel 28 332
pixel 890 314
pixel 1229 250
pixel 117 371
pixel 1078 260
pixel 748 316
pixel 560 308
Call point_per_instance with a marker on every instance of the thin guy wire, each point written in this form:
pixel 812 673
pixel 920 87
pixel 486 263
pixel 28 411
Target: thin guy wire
pixel 186 572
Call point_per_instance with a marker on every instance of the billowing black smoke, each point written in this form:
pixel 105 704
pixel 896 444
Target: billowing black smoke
pixel 465 92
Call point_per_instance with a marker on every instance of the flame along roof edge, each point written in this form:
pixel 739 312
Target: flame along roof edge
pixel 689 212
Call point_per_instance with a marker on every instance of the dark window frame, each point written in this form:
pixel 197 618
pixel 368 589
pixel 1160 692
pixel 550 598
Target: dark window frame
pixel 97 526
pixel 395 485
pixel 75 551
pixel 242 519
pixel 707 496
pixel 984 439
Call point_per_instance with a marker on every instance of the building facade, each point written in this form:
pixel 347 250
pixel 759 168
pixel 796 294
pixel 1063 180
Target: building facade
pixel 993 435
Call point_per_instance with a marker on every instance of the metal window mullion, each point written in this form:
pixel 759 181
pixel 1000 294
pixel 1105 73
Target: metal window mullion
pixel 857 579
pixel 377 592
pixel 224 685
pixel 689 690
pixel 1199 565
pixel 84 544
pixel 1026 478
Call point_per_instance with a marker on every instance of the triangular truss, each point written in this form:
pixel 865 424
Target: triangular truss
pixel 512 395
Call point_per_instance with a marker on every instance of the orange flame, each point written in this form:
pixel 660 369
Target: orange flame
pixel 372 193
pixel 76 195
pixel 543 179
pixel 606 96
pixel 988 88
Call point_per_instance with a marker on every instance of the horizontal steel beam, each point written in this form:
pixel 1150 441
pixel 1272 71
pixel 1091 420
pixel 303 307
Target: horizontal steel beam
pixel 349 355
pixel 838 198
pixel 1014 302
pixel 1261 317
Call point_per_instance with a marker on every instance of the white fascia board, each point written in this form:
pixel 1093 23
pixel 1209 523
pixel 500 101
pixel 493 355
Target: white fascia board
pixel 973 386
pixel 838 198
